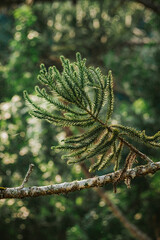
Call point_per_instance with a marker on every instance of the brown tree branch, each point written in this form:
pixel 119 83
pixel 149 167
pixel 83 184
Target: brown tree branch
pixel 67 187
pixel 135 150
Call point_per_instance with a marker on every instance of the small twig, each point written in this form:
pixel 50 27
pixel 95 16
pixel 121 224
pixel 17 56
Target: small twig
pixel 30 169
pixel 128 165
pixel 129 158
pixel 127 181
pixel 132 148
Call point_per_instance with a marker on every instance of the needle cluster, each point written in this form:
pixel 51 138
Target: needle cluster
pixel 80 94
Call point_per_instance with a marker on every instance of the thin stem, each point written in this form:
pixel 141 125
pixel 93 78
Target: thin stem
pixel 94 117
pixel 142 155
pixel 30 169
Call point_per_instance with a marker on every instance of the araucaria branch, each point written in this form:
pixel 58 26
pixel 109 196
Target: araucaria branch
pixel 80 95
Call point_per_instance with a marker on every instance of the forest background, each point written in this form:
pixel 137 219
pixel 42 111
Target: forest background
pixel 119 35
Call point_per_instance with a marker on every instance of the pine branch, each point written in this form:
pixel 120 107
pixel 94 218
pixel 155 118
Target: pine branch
pixel 67 187
pixel 110 96
pixel 86 93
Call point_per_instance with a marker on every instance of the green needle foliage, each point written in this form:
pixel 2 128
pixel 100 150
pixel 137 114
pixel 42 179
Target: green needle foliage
pixel 79 94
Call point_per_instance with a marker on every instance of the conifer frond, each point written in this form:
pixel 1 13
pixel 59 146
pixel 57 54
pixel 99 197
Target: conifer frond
pixel 98 81
pixel 81 66
pixel 138 136
pixel 95 131
pixel 118 155
pixel 95 166
pixel 80 145
pixel 104 144
pixel 42 93
pixel 110 96
pixel 106 160
pixel 74 154
pixel 79 95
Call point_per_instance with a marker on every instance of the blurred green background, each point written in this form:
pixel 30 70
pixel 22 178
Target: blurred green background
pixel 120 35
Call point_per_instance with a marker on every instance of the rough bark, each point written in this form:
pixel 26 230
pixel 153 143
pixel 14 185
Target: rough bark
pixel 66 187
